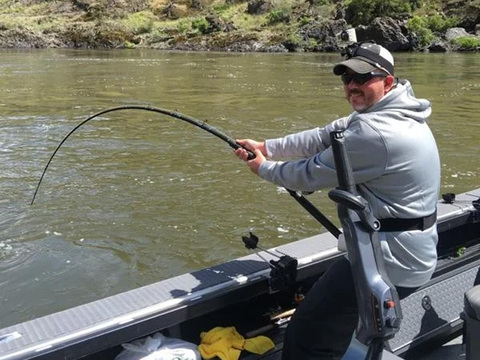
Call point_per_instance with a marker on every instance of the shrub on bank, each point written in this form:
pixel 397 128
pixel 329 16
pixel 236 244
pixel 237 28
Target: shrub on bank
pixel 418 26
pixel 467 43
pixel 427 28
pixel 278 15
pixel 364 11
pixel 201 25
pixel 140 22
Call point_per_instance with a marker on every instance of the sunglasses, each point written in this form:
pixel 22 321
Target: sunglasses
pixel 359 79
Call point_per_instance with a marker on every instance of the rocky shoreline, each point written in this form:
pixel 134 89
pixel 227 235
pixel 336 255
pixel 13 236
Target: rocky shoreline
pixel 385 31
pixel 304 30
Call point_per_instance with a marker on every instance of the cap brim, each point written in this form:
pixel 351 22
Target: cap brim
pixel 357 65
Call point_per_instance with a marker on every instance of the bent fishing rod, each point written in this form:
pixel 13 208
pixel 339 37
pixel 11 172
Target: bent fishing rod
pixel 306 204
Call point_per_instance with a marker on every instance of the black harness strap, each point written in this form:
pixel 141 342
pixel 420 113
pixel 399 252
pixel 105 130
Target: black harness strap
pixel 396 224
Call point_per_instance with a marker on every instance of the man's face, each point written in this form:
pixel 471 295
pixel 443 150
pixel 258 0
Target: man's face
pixel 362 96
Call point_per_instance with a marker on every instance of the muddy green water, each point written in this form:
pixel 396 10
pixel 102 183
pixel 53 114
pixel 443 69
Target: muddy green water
pixel 134 197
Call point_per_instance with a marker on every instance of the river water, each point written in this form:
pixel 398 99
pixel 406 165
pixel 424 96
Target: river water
pixel 134 197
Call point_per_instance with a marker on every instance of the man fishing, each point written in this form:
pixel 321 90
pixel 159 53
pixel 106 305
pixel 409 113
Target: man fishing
pixel 396 168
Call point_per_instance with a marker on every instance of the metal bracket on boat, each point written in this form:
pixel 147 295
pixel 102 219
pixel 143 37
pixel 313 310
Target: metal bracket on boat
pixel 476 204
pixel 448 198
pixel 379 305
pixel 283 271
pixel 10 336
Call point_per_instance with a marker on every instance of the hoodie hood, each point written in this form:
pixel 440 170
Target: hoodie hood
pixel 401 99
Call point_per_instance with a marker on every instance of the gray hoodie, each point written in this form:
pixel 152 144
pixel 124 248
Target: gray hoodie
pixel 396 166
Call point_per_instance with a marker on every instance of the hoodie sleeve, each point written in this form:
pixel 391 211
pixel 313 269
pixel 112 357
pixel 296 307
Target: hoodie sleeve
pixel 366 149
pixel 303 144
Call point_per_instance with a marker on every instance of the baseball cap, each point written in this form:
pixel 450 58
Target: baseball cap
pixel 364 58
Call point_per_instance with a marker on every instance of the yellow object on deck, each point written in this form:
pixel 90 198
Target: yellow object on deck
pixel 227 343
pixel 258 344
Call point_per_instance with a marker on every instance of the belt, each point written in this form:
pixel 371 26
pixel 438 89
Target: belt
pixel 396 224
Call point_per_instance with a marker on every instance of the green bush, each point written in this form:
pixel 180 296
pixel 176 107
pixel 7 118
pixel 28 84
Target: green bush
pixel 281 14
pixel 440 23
pixel 184 25
pixel 319 2
pixel 201 25
pixel 140 22
pixel 312 43
pixel 219 9
pixel 157 35
pixel 367 10
pixel 418 25
pixel 424 27
pixel 305 21
pixel 295 39
pixel 128 45
pixel 435 23
pixel 467 43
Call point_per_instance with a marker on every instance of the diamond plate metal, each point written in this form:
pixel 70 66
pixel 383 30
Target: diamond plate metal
pixel 446 305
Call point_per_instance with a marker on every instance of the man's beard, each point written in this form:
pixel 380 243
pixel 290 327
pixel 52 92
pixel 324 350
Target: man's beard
pixel 356 106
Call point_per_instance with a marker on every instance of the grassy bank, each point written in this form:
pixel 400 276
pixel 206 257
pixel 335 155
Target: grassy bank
pixel 205 24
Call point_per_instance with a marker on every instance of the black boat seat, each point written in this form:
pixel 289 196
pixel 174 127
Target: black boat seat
pixel 471 316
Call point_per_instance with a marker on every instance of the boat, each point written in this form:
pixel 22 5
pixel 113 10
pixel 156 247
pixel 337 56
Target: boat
pixel 256 298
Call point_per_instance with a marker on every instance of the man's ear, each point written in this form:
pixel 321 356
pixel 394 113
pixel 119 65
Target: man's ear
pixel 389 83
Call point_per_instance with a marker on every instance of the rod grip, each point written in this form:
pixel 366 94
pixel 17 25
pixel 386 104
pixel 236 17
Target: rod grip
pixel 342 162
pixel 235 145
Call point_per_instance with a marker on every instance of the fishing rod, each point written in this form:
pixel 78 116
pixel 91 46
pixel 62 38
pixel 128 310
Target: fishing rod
pixel 201 124
pixel 306 204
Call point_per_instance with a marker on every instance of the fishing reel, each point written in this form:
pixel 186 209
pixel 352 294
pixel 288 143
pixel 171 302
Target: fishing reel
pixel 283 272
